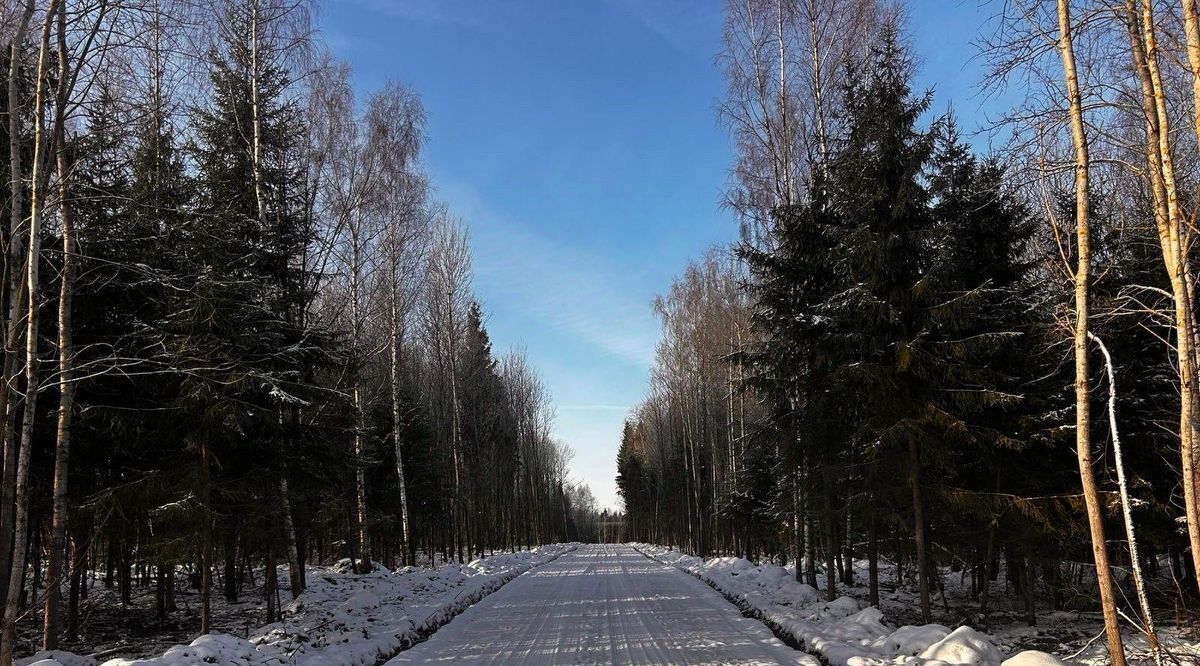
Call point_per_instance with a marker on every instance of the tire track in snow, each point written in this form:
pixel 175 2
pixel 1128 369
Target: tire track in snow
pixel 751 612
pixel 448 615
pixel 604 604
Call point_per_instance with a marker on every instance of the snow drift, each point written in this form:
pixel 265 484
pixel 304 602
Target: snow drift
pixel 839 631
pixel 345 619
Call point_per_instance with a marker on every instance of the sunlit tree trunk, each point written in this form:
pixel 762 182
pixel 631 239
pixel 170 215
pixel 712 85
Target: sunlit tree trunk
pixel 394 349
pixel 1188 453
pixel 1082 276
pixel 1135 560
pixel 356 395
pixel 295 566
pixel 15 295
pixel 32 289
pixel 66 354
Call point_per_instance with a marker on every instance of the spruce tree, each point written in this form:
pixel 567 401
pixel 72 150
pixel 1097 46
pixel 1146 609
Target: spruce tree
pixel 991 340
pixel 890 311
pixel 239 328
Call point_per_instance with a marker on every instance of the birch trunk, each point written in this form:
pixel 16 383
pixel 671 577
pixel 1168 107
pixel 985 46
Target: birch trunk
pixel 455 426
pixel 818 87
pixel 1172 231
pixel 21 494
pixel 360 479
pixel 295 566
pixel 1188 453
pixel 797 523
pixel 394 348
pixel 13 260
pixel 785 143
pixel 1126 512
pixel 1082 407
pixel 1179 236
pixel 66 354
pixel 256 117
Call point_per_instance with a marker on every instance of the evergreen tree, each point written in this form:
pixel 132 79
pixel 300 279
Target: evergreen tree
pixel 239 330
pixel 482 398
pixel 990 337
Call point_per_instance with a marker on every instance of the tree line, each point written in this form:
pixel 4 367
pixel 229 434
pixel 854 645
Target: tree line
pixel 239 330
pixel 925 356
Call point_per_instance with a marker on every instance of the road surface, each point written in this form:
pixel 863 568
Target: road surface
pixel 602 604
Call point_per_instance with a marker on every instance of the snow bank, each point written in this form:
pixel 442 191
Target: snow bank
pixel 345 619
pixel 214 649
pixel 1032 658
pixel 964 646
pixel 838 631
pixel 56 658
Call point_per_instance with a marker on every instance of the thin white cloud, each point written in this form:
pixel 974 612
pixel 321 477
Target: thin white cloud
pixel 588 300
pixel 470 13
pixel 675 22
pixel 566 287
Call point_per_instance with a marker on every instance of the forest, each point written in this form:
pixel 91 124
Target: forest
pixel 239 329
pixel 248 391
pixel 938 353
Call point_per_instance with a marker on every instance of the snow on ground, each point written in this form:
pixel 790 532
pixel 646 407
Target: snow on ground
pixel 604 604
pixel 1075 635
pixel 609 600
pixel 346 619
pixel 1080 637
pixel 839 631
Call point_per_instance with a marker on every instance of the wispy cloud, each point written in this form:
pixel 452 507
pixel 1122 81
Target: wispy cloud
pixel 579 298
pixel 463 13
pixel 574 291
pixel 675 22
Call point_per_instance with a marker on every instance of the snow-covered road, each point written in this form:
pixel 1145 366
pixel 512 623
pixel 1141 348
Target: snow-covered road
pixel 603 604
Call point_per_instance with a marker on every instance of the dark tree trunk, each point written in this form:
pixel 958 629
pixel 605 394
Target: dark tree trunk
pixel 110 564
pixel 231 552
pixel 126 570
pixel 78 566
pixel 831 557
pixel 873 560
pixel 988 573
pixel 271 584
pixel 918 507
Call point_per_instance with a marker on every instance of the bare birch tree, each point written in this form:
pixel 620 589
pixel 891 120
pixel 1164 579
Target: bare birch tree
pixel 447 295
pixel 14 293
pixel 1083 442
pixel 37 202
pixel 396 119
pixel 69 66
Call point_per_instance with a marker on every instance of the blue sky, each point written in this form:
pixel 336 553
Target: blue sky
pixel 578 140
